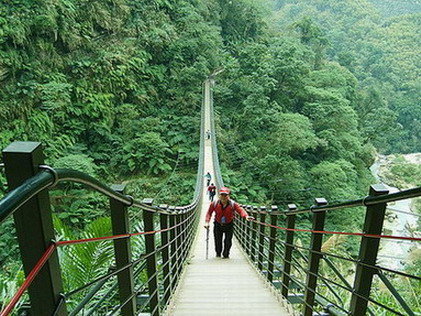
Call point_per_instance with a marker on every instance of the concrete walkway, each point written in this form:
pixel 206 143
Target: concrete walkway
pixel 220 286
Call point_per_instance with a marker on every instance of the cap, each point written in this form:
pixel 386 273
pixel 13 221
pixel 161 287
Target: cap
pixel 224 190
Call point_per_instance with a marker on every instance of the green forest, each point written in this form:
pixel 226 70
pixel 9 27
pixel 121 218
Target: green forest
pixel 311 91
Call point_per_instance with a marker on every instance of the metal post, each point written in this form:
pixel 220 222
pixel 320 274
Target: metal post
pixel 261 237
pixel 123 253
pixel 248 237
pixel 179 244
pixel 207 243
pixel 271 261
pixel 151 259
pixel 369 248
pixel 254 234
pixel 314 258
pixel 163 219
pixel 289 239
pixel 242 233
pixel 34 228
pixel 173 252
pixel 184 234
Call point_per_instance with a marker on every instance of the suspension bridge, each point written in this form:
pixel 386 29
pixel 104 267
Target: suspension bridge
pixel 271 270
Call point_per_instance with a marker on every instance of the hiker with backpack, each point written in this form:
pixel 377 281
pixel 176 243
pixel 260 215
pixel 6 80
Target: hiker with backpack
pixel 211 191
pixel 224 209
pixel 208 178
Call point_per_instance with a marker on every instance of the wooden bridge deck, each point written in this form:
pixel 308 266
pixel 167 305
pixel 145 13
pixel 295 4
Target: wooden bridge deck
pixel 221 286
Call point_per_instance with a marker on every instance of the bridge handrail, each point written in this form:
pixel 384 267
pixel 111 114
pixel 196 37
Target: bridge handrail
pixel 260 247
pixel 50 177
pixel 44 177
pixel 259 240
pixel 366 201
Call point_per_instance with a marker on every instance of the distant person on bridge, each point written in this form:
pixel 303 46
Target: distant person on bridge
pixel 208 178
pixel 224 210
pixel 208 134
pixel 211 192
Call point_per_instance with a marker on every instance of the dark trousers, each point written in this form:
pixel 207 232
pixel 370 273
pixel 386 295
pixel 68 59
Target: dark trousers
pixel 218 232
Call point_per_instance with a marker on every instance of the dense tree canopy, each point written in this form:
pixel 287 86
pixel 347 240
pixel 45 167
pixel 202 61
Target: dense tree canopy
pixel 381 52
pixel 116 88
pixel 113 88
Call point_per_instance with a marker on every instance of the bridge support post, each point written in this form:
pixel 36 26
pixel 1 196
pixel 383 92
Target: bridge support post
pixel 151 260
pixel 248 240
pixel 314 258
pixel 34 228
pixel 253 234
pixel 184 235
pixel 173 249
pixel 163 220
pixel 123 253
pixel 369 248
pixel 272 241
pixel 180 248
pixel 239 231
pixel 289 240
pixel 261 237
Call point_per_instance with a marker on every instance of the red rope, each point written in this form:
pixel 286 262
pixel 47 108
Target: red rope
pixel 31 276
pixel 79 241
pixel 85 240
pixel 340 233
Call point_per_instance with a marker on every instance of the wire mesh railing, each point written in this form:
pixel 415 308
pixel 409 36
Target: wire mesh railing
pixel 158 268
pixel 178 222
pixel 305 273
pixel 272 249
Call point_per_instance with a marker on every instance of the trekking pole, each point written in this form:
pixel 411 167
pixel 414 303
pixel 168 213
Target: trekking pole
pixel 207 242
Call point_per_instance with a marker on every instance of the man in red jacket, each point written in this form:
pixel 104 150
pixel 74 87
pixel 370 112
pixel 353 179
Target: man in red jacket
pixel 224 210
